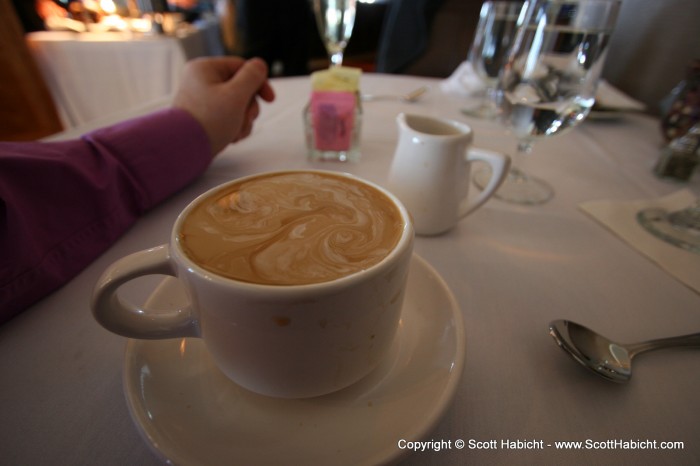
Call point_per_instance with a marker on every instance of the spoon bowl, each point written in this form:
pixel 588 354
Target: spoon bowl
pixel 604 357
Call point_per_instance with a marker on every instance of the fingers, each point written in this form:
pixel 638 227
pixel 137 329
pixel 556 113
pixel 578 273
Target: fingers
pixel 253 110
pixel 214 70
pixel 245 78
pixel 251 115
pixel 266 92
pixel 222 94
pixel 251 80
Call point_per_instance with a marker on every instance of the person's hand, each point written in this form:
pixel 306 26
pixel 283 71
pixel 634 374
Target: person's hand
pixel 47 8
pixel 222 94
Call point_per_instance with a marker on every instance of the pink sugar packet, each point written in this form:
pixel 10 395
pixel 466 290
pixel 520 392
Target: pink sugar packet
pixel 333 117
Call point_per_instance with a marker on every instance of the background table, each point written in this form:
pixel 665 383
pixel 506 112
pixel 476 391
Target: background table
pixel 512 269
pixel 93 74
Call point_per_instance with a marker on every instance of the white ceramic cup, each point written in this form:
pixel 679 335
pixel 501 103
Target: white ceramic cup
pixel 285 341
pixel 431 168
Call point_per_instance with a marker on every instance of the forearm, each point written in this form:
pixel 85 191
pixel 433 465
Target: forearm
pixel 64 203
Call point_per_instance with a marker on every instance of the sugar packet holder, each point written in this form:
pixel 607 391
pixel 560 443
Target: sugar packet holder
pixel 333 117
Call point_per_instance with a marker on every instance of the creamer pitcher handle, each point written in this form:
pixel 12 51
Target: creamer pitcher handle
pixel 499 163
pixel 129 320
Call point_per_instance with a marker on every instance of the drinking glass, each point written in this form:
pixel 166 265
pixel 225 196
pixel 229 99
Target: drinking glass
pixel 498 21
pixel 335 20
pixel 548 84
pixel 680 227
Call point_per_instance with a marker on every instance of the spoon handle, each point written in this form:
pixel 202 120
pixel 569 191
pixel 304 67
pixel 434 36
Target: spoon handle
pixel 375 97
pixel 409 97
pixel 684 340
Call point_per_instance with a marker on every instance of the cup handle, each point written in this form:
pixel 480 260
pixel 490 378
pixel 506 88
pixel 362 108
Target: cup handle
pixel 500 164
pixel 126 319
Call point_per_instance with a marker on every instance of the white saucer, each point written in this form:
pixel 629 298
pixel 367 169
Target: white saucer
pixel 190 413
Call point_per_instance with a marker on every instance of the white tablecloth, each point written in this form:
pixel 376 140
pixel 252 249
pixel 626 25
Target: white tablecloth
pixel 512 269
pixel 92 74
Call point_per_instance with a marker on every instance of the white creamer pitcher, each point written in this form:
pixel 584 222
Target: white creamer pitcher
pixel 431 170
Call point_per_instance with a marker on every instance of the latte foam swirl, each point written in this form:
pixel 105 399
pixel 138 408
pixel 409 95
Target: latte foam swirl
pixel 292 228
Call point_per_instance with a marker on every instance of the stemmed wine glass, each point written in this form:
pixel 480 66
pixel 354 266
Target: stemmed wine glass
pixel 548 84
pixel 498 21
pixel 335 20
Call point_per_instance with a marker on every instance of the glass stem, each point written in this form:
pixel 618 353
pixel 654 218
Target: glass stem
pixel 337 58
pixel 489 100
pixel 517 170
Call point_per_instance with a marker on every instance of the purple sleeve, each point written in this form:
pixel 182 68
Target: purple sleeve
pixel 64 203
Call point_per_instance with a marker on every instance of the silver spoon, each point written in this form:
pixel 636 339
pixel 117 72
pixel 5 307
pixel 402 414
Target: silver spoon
pixel 409 97
pixel 610 360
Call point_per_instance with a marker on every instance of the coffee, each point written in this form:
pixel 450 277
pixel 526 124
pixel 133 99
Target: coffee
pixel 291 228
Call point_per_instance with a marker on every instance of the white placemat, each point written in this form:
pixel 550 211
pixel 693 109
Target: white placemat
pixel 620 217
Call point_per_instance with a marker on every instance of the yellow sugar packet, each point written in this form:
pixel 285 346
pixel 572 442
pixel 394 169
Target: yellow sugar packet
pixel 336 79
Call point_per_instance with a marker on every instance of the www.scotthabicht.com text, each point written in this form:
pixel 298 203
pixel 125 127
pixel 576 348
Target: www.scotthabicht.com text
pixel 533 444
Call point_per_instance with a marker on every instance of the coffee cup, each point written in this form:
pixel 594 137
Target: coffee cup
pixel 295 280
pixel 431 169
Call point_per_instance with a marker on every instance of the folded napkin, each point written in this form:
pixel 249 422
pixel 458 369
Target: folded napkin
pixel 608 97
pixel 621 219
pixel 463 81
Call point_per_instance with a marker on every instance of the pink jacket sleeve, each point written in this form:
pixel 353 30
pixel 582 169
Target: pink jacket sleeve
pixel 64 203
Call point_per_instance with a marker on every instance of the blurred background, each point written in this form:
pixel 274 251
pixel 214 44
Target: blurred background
pixel 651 49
